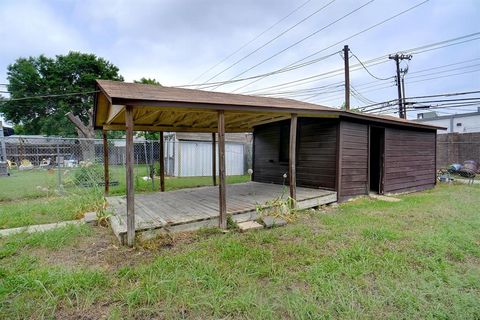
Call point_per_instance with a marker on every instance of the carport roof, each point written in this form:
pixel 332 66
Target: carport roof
pixel 159 108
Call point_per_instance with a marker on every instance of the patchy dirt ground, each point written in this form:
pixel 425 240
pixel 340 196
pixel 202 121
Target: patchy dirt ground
pixel 102 250
pixel 99 250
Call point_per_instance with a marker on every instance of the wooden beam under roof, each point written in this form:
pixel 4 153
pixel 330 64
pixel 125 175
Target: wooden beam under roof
pixel 121 127
pixel 147 115
pixel 113 112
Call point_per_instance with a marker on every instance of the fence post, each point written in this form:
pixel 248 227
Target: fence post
pixel 59 174
pixel 2 142
pixel 105 163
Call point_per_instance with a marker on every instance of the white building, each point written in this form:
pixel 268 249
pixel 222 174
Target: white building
pixel 458 123
pixel 190 154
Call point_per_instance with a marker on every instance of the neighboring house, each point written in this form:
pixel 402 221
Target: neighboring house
pixel 8 131
pixel 35 148
pixel 459 123
pixel 188 154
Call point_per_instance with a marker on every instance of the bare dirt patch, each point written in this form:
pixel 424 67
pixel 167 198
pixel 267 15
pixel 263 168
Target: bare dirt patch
pixel 100 250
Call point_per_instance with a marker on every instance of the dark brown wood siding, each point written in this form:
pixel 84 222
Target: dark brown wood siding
pixel 353 166
pixel 316 153
pixel 409 160
pixel 266 145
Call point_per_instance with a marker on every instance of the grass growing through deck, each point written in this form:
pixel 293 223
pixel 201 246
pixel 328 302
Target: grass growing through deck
pixel 417 258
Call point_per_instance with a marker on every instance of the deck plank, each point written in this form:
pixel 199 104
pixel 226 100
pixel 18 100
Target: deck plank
pixel 161 209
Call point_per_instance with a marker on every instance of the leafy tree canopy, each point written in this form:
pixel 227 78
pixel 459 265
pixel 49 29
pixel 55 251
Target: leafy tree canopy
pixel 147 81
pixel 37 76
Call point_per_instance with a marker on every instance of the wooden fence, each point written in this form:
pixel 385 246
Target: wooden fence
pixel 457 148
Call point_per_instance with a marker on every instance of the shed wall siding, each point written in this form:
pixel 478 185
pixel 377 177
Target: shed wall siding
pixel 316 153
pixel 409 160
pixel 353 159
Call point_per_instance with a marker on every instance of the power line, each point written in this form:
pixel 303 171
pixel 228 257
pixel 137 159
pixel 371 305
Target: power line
pixel 338 96
pixel 313 78
pixel 364 67
pixel 445 76
pixel 444 71
pixel 452 94
pixel 355 92
pixel 444 100
pixel 303 90
pixel 252 40
pixel 435 107
pixel 386 104
pixel 449 45
pixel 444 66
pixel 315 90
pixel 278 71
pixel 303 39
pixel 416 81
pixel 416 50
pixel 345 39
pixel 271 40
pixel 51 96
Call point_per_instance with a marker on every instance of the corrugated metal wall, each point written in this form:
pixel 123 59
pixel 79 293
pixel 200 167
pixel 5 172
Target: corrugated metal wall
pixel 194 158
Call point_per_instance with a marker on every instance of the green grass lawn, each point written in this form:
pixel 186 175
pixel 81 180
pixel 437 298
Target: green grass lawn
pixel 414 259
pixel 22 203
pixel 44 183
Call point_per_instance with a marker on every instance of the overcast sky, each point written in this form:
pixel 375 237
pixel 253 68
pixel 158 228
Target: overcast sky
pixel 175 41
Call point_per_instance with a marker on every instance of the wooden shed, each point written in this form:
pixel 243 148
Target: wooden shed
pixel 348 154
pixel 327 154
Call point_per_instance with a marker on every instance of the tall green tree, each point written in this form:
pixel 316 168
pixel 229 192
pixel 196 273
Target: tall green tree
pixel 147 81
pixel 65 74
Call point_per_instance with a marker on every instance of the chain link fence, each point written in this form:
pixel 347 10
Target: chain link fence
pixel 37 164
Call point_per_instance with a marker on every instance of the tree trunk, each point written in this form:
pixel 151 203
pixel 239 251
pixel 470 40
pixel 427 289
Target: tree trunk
pixel 86 133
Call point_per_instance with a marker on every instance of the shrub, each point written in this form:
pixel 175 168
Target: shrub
pixel 89 174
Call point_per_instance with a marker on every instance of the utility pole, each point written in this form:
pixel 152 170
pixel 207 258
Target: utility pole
pixel 347 77
pixel 403 97
pixel 398 57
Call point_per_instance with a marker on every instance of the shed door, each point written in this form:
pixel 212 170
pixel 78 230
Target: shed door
pixel 377 159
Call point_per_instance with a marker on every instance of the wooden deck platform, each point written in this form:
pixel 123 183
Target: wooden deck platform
pixel 193 208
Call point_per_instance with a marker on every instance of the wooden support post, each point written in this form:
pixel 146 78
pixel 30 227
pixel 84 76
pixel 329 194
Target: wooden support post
pixel 214 159
pixel 129 168
pixel 292 158
pixel 221 165
pixel 162 163
pixel 105 163
pixel 339 157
